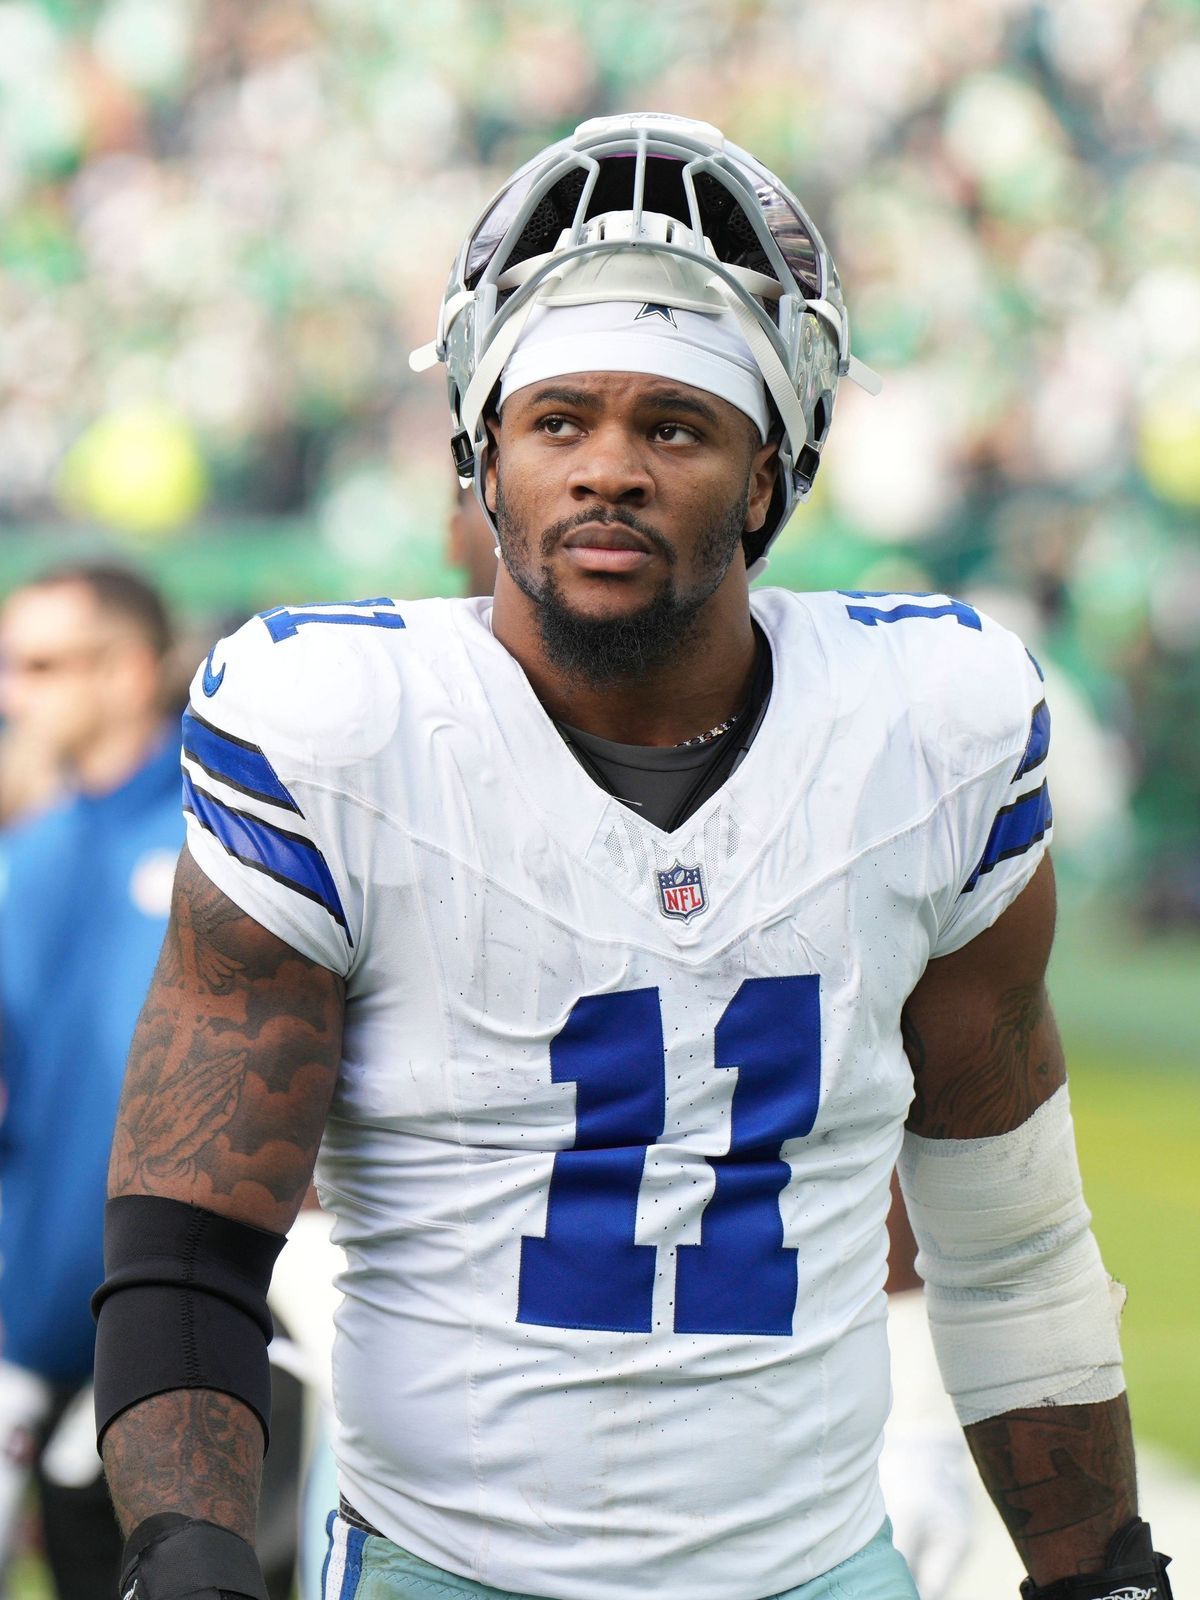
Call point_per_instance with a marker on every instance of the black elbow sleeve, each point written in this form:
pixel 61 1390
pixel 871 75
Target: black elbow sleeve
pixel 183 1306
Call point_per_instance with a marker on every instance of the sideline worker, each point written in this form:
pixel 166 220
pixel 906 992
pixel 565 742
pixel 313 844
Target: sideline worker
pixel 86 886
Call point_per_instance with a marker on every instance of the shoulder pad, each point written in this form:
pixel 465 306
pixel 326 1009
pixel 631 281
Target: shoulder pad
pixel 970 684
pixel 314 684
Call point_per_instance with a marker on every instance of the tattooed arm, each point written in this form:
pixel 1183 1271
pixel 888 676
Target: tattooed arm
pixel 230 1077
pixel 985 1053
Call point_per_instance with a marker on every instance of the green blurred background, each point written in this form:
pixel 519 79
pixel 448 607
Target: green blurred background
pixel 1128 1011
pixel 223 225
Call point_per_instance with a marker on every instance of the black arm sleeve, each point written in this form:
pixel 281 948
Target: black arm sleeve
pixel 183 1306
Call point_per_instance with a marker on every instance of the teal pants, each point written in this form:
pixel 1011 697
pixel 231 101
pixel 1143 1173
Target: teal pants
pixel 360 1566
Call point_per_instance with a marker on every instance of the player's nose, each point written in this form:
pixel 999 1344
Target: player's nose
pixel 610 465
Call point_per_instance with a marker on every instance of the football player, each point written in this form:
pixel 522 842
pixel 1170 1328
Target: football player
pixel 924 1466
pixel 613 938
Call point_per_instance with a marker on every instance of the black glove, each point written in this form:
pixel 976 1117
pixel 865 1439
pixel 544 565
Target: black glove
pixel 173 1557
pixel 1133 1570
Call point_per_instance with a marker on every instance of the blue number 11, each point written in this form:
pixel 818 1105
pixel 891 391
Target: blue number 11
pixel 587 1272
pixel 283 622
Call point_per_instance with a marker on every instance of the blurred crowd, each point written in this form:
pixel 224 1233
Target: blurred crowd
pixel 223 226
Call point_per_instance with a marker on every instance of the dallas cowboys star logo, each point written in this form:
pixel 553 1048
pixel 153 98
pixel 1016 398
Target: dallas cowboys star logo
pixel 665 312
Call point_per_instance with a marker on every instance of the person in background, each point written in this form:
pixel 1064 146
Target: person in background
pixel 90 692
pixel 86 884
pixel 29 779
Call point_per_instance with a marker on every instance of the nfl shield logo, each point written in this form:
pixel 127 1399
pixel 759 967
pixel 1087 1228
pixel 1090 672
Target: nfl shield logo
pixel 681 892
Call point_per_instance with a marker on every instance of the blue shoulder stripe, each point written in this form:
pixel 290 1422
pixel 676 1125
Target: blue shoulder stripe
pixel 284 856
pixel 233 761
pixel 1037 747
pixel 966 616
pixel 1017 828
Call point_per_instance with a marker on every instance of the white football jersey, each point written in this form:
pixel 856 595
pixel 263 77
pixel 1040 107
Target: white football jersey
pixel 610 1149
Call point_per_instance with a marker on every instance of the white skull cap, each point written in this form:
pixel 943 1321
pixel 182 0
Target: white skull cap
pixel 704 349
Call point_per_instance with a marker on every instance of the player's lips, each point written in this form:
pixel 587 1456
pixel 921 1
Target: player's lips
pixel 607 547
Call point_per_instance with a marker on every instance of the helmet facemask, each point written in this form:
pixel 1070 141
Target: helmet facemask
pixel 653 207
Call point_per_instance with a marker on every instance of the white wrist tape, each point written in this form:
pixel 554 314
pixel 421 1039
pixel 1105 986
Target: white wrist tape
pixel 1021 1309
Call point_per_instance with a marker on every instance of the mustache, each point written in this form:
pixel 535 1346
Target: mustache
pixel 558 531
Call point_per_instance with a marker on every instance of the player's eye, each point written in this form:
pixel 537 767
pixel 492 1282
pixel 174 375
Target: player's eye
pixel 558 427
pixel 675 433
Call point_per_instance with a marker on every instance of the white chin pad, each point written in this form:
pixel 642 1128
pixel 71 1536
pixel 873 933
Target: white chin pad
pixel 1021 1309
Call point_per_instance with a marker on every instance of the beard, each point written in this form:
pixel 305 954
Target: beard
pixel 598 652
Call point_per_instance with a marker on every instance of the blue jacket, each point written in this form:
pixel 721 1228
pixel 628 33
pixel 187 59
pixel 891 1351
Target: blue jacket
pixel 84 893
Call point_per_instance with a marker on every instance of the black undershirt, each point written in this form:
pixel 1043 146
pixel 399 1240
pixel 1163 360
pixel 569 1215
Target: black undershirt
pixel 666 784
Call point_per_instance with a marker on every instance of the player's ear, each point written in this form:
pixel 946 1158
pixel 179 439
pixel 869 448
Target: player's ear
pixel 491 422
pixel 764 468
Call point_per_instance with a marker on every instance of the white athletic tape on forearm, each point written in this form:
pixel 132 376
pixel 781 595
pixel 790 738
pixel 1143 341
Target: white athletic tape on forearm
pixel 1020 1306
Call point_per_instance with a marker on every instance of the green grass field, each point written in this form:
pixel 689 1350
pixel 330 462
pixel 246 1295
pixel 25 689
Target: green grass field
pixel 1138 1129
pixel 1131 1023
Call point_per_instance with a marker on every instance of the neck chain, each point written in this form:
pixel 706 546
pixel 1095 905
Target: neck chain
pixel 713 733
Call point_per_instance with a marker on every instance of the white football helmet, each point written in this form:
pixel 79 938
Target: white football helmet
pixel 651 207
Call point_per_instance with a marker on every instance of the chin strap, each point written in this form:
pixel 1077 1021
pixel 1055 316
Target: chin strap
pixel 1133 1570
pixel 492 362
